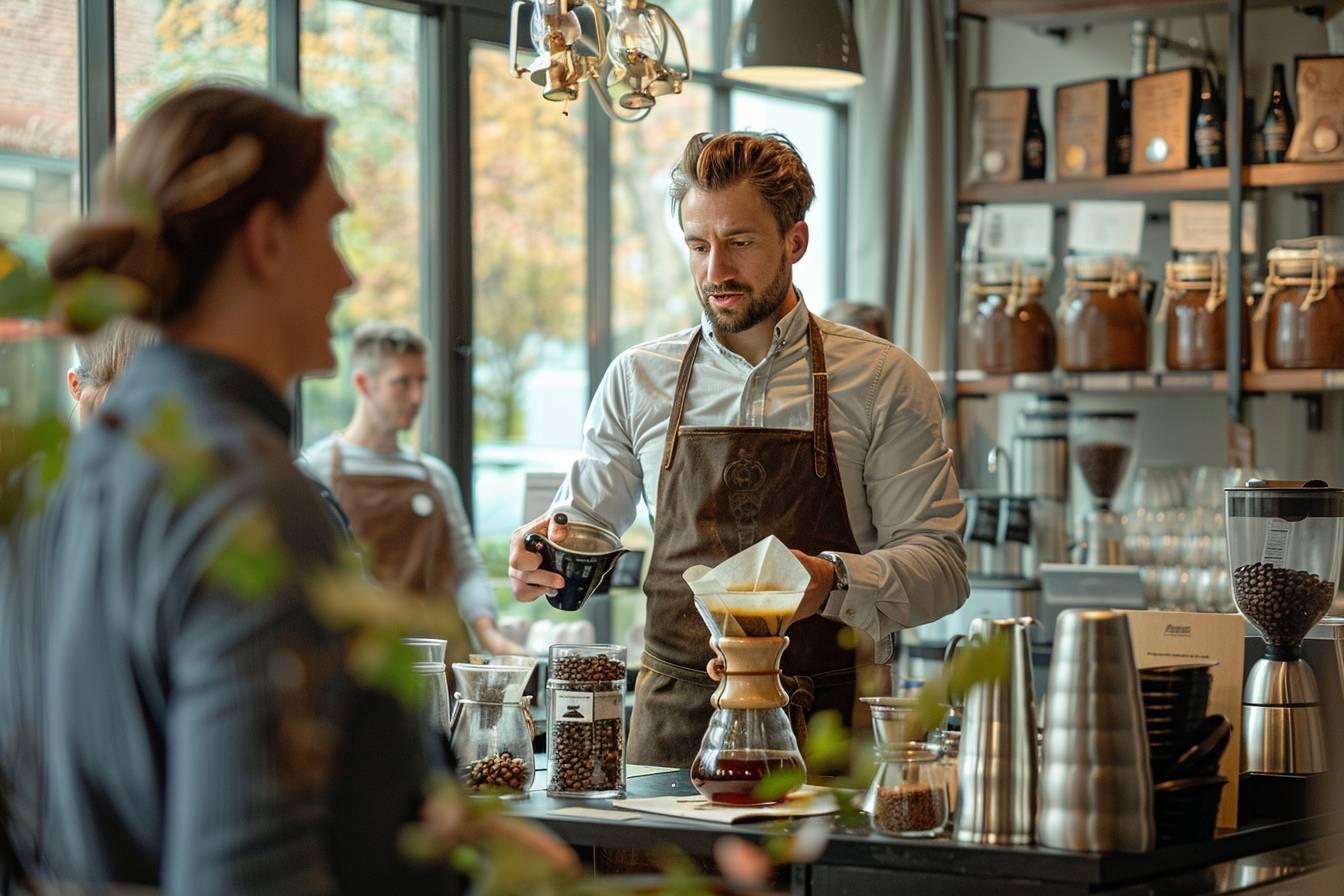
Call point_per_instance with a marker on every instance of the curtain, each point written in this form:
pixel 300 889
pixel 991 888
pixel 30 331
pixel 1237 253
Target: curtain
pixel 897 206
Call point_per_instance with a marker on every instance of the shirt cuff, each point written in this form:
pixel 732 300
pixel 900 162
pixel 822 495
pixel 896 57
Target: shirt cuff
pixel 857 607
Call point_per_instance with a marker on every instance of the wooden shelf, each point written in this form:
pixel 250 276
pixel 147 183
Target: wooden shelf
pixel 1067 13
pixel 1165 184
pixel 975 383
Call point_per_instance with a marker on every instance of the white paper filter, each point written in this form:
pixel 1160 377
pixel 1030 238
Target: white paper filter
pixel 751 594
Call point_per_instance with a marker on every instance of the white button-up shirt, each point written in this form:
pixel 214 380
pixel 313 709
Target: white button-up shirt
pixel 901 493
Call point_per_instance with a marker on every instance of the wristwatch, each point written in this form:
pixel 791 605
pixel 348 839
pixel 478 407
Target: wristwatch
pixel 841 573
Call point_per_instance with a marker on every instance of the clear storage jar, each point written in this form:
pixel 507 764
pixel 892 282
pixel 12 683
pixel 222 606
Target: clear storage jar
pixel 908 796
pixel 1013 332
pixel 585 714
pixel 1303 305
pixel 1194 307
pixel 1103 324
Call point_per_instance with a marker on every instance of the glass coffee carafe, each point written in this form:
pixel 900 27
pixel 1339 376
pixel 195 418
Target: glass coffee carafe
pixel 749 735
pixel 491 730
pixel 1284 545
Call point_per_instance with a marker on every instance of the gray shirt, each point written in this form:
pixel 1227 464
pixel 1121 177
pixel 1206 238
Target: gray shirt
pixel 901 493
pixel 156 726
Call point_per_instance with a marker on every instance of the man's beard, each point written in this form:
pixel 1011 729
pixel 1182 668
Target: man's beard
pixel 754 307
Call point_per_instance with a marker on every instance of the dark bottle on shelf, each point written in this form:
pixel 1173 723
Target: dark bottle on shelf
pixel 1209 146
pixel 1279 121
pixel 1033 142
pixel 1124 139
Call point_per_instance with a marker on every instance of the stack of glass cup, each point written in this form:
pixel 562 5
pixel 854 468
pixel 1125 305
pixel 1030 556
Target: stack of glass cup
pixel 1175 532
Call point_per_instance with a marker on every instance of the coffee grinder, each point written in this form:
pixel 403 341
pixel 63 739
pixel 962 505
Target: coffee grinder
pixel 1103 447
pixel 1284 545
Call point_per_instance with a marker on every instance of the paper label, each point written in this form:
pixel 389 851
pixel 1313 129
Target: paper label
pixel 1278 543
pixel 587 706
pixel 1015 230
pixel 1203 226
pixel 1102 227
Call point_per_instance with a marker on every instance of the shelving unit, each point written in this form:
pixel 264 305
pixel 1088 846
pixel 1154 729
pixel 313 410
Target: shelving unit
pixel 1229 182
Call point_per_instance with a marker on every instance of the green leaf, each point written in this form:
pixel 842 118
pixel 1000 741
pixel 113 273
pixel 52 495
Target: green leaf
pixel 95 297
pixel 380 659
pixel 779 783
pixel 827 745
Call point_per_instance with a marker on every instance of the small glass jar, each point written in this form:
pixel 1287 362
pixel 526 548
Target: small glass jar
pixel 492 729
pixel 908 796
pixel 585 712
pixel 1013 333
pixel 1194 307
pixel 1103 324
pixel 949 757
pixel 428 663
pixel 1303 305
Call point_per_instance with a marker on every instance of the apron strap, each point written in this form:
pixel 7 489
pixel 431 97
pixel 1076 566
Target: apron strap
pixel 679 401
pixel 821 405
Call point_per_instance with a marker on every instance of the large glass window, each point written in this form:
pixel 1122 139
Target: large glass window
pixel 529 247
pixel 652 293
pixel 39 178
pixel 811 128
pixel 360 64
pixel 165 44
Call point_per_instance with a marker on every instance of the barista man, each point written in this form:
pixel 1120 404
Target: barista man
pixel 406 507
pixel 763 420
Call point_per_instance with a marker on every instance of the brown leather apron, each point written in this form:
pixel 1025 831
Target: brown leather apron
pixel 721 490
pixel 405 525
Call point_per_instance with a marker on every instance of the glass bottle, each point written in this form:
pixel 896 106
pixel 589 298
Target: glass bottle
pixel 908 796
pixel 1209 145
pixel 1279 120
pixel 1124 139
pixel 1033 142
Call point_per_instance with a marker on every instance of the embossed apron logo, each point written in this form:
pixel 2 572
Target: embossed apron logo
pixel 744 478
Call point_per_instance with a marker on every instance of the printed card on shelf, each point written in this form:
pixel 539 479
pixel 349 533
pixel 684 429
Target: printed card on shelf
pixel 1012 231
pixel 1203 226
pixel 1105 227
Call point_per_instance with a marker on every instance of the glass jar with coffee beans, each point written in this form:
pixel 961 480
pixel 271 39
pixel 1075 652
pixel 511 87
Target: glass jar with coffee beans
pixel 908 796
pixel 585 712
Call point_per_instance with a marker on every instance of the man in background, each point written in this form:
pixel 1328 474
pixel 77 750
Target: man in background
pixel 405 507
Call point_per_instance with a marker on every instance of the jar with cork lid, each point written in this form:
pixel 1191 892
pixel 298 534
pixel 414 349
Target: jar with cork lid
pixel 1103 324
pixel 1194 308
pixel 1013 332
pixel 1303 305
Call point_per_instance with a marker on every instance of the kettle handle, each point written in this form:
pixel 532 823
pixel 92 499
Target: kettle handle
pixel 454 715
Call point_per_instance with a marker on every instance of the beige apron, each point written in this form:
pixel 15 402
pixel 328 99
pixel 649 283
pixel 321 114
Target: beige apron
pixel 721 490
pixel 405 525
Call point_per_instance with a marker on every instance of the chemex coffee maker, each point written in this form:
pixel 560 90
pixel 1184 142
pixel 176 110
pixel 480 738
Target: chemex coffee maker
pixel 1284 544
pixel 746 602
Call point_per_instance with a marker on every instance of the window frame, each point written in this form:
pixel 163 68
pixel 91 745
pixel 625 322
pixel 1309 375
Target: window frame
pixel 447 30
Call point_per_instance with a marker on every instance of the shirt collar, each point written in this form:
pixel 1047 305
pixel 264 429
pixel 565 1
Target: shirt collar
pixel 790 328
pixel 223 378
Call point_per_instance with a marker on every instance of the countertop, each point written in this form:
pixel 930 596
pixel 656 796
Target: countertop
pixel 856 861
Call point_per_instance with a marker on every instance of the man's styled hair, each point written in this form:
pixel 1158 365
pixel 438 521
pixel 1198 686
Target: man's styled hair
pixel 375 341
pixel 768 161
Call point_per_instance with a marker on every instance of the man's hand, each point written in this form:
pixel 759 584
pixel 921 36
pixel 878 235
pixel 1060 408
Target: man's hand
pixel 820 588
pixel 494 641
pixel 526 578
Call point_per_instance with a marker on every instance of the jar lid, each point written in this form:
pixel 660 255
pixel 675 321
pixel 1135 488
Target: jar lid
pixel 1277 499
pixel 1097 267
pixel 1293 257
pixel 909 752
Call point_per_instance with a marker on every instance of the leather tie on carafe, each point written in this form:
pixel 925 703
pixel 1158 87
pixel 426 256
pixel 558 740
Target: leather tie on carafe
pixel 802 694
pixel 1016 290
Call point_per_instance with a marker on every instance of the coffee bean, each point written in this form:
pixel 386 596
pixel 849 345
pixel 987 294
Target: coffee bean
pixel 1103 466
pixel 1283 603
pixel 500 771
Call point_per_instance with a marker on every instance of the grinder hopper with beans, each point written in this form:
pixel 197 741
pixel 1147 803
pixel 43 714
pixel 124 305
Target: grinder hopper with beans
pixel 1284 546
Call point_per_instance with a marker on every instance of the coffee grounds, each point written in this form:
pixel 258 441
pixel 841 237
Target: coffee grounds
pixel 1103 466
pixel 1283 603
pixel 910 808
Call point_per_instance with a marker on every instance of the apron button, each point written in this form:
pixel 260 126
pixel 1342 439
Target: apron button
pixel 422 504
